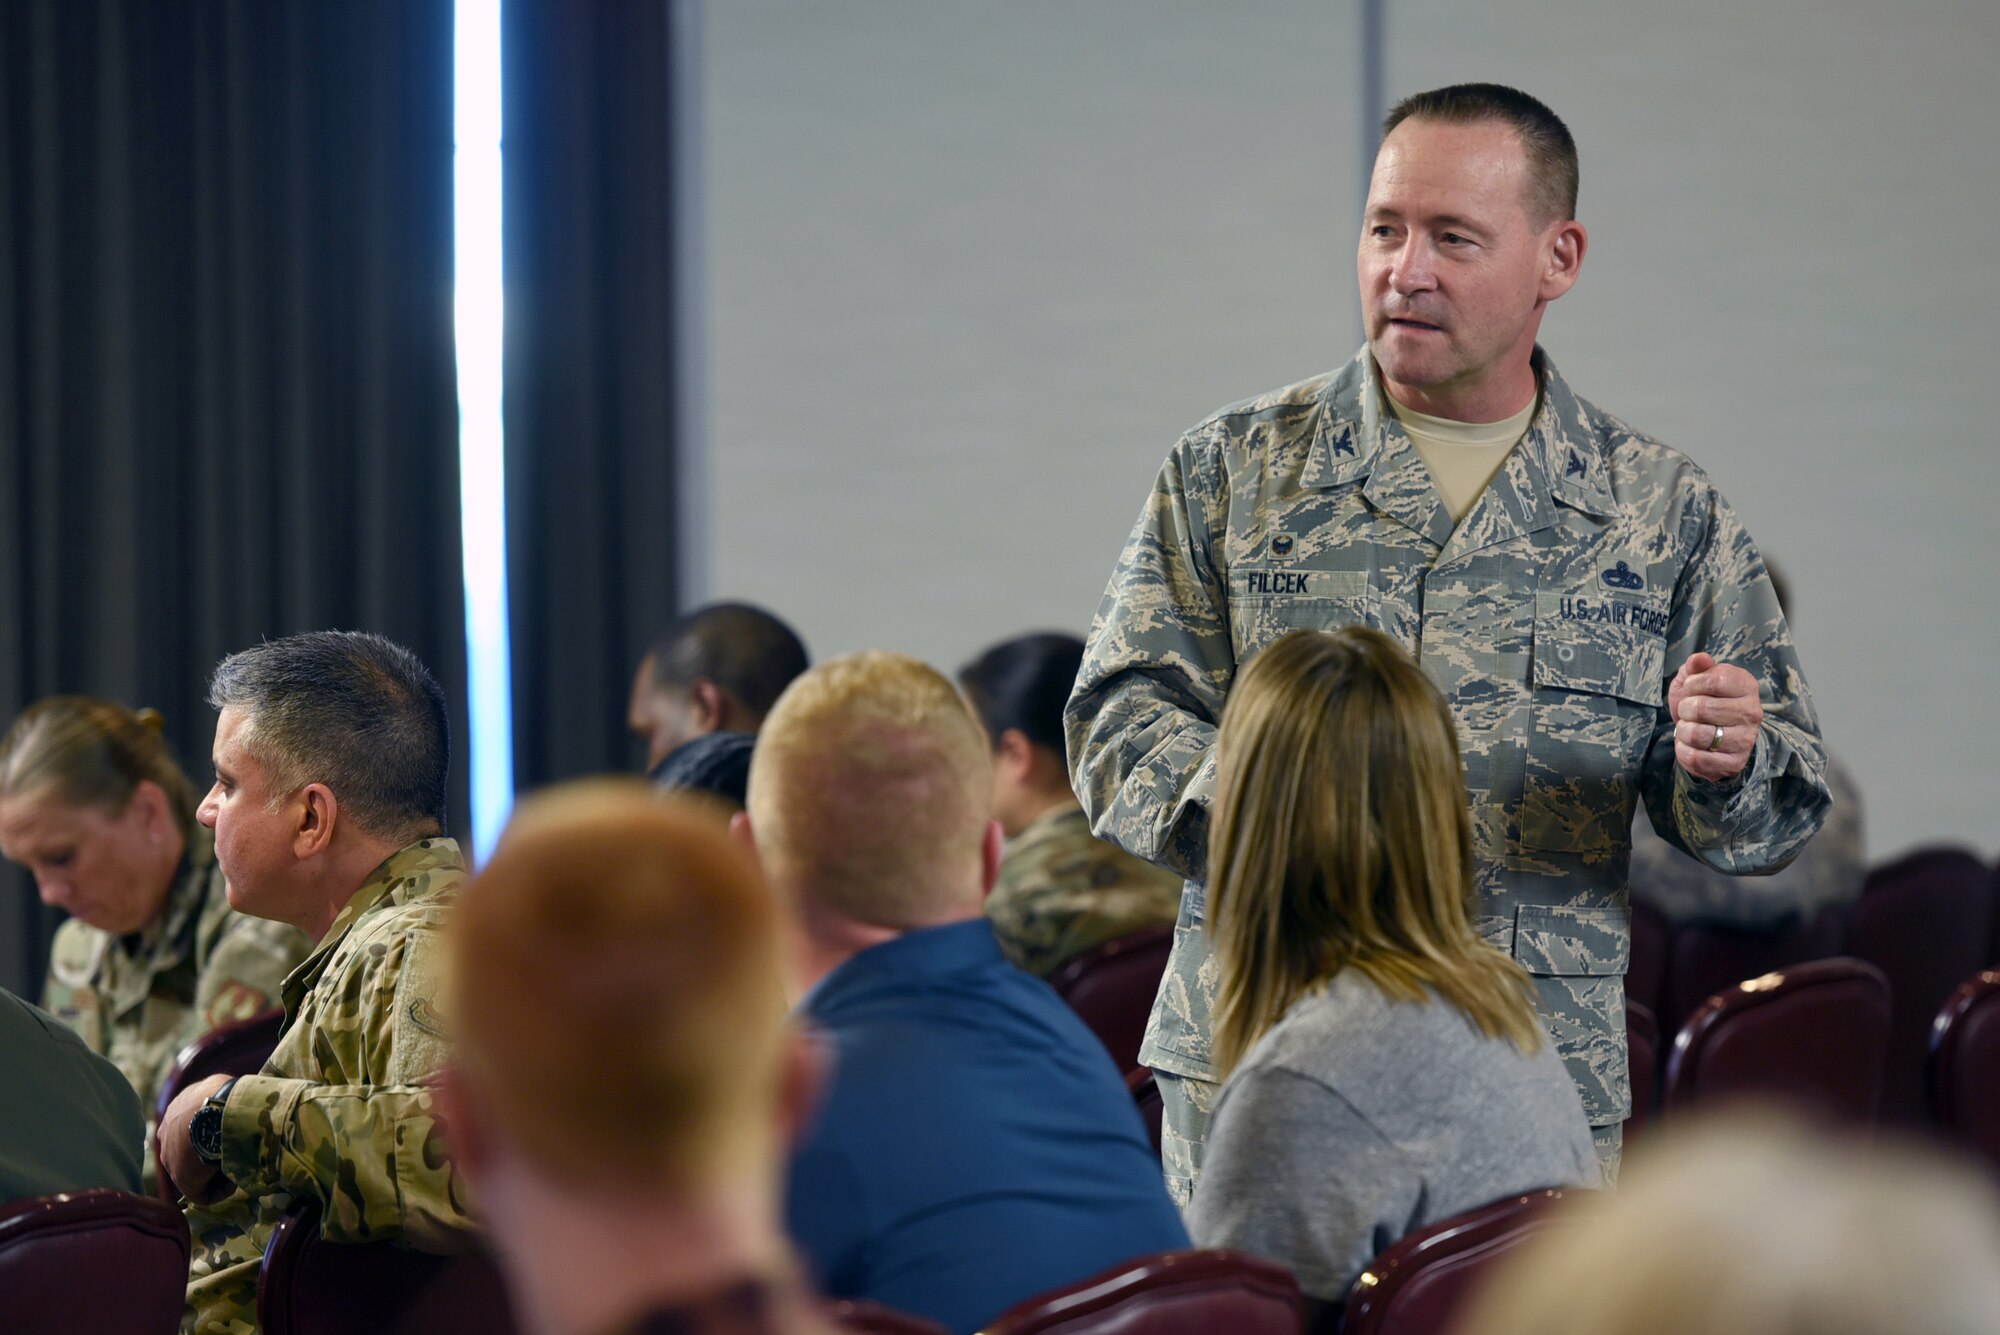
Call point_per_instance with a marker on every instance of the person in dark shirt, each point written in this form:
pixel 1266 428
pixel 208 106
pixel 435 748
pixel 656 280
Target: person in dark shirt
pixel 718 668
pixel 975 1146
pixel 68 1119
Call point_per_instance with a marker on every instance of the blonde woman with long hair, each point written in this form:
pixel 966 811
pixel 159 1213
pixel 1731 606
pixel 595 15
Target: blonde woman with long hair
pixel 1385 1066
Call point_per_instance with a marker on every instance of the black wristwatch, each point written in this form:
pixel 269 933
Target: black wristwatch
pixel 205 1127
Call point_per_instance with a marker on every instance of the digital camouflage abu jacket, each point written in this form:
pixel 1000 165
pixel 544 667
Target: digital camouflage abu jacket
pixel 1552 618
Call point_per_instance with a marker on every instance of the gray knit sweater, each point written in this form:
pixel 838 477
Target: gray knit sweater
pixel 1358 1119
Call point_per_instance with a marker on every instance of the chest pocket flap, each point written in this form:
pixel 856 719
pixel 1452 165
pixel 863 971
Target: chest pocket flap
pixel 1266 601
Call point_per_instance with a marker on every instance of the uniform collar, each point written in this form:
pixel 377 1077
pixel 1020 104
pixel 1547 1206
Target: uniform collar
pixel 128 965
pixel 929 952
pixel 1559 460
pixel 170 937
pixel 394 881
pixel 1048 823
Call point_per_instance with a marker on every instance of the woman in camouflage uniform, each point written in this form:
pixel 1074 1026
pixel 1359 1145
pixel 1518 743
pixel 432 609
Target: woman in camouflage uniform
pixel 1061 890
pixel 153 956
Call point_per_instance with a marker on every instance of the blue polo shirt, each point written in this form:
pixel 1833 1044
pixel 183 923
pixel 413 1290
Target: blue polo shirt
pixel 976 1145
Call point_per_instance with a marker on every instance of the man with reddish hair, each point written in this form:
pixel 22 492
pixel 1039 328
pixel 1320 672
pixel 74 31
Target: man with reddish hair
pixel 625 1085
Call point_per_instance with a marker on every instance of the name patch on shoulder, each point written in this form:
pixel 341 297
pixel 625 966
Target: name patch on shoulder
pixel 1614 612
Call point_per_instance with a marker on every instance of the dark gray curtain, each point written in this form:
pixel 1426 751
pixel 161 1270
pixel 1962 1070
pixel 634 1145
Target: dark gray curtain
pixel 227 401
pixel 591 388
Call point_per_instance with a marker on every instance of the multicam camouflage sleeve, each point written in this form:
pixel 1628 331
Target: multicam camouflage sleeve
pixel 371 1156
pixel 371 1153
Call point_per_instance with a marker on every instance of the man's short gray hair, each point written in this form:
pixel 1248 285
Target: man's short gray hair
pixel 354 711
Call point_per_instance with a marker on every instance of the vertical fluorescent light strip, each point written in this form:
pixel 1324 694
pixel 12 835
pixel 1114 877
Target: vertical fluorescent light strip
pixel 481 466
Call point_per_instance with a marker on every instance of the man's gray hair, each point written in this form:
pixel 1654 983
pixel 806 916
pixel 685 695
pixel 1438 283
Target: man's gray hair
pixel 354 711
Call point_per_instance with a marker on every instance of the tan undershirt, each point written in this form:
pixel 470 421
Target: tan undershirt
pixel 1462 456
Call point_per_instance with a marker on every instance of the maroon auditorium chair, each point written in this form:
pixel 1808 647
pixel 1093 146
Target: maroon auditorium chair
pixel 1965 1066
pixel 1112 987
pixel 1418 1286
pixel 1642 1060
pixel 1170 1293
pixel 310 1286
pixel 1813 1035
pixel 1646 966
pixel 1926 921
pixel 1703 959
pixel 232 1049
pixel 92 1263
pixel 866 1318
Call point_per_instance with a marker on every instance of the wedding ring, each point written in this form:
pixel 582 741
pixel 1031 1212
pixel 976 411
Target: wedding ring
pixel 1716 740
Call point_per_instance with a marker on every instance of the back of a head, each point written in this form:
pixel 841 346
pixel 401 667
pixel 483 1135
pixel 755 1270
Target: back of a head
pixel 870 790
pixel 354 711
pixel 85 752
pixel 615 995
pixel 1756 1225
pixel 743 649
pixel 1547 141
pixel 1023 683
pixel 1341 839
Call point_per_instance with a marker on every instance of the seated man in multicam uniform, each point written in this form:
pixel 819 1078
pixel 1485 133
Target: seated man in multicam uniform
pixel 1061 890
pixel 152 957
pixel 328 810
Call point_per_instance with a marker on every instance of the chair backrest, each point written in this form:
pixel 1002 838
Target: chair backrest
pixel 1646 963
pixel 1112 987
pixel 1965 1065
pixel 1146 1093
pixel 310 1286
pixel 1642 1060
pixel 91 1262
pixel 1703 959
pixel 1170 1293
pixel 874 1319
pixel 1814 1035
pixel 1418 1285
pixel 241 1048
pixel 1926 921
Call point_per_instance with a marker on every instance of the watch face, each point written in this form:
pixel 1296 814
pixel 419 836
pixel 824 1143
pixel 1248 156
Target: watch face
pixel 205 1132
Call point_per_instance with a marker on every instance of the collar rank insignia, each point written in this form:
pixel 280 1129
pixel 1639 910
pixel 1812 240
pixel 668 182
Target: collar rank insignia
pixel 1574 468
pixel 1344 444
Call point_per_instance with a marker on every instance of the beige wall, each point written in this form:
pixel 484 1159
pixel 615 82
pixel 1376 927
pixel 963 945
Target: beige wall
pixel 972 266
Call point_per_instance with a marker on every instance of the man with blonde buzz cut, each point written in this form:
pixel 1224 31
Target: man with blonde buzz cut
pixel 976 1145
pixel 625 1085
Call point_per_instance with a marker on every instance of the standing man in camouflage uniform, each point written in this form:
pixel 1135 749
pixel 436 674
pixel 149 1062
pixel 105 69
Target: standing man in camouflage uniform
pixel 1584 597
pixel 328 809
